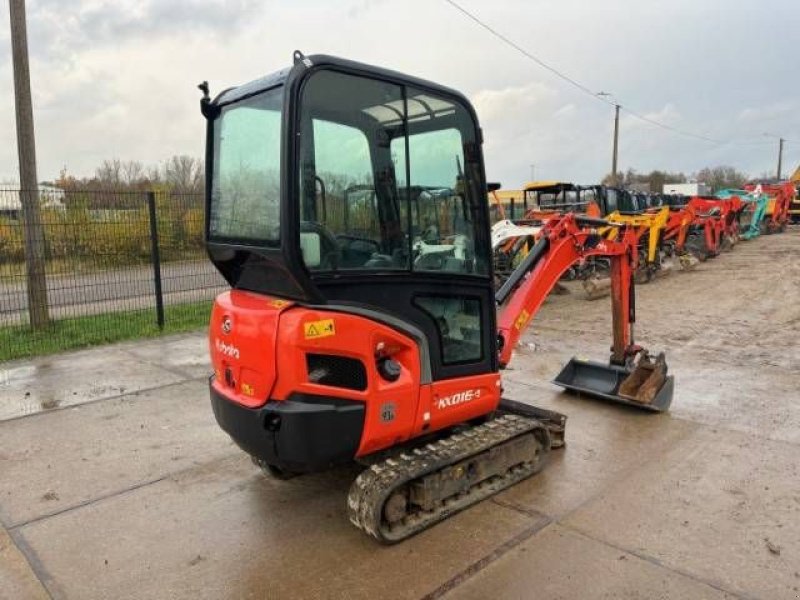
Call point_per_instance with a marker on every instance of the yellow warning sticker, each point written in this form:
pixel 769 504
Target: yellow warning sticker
pixel 319 329
pixel 247 389
pixel 279 303
pixel 522 320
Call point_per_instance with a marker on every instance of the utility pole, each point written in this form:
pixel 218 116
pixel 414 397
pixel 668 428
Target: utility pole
pixel 608 98
pixel 616 142
pixel 780 156
pixel 533 172
pixel 26 149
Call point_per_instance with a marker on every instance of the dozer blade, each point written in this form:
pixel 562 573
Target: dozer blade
pixel 646 386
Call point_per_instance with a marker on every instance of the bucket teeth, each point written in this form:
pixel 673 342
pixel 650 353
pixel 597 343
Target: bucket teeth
pixel 645 381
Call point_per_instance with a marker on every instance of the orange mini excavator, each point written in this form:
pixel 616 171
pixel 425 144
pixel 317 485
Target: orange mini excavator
pixel 346 207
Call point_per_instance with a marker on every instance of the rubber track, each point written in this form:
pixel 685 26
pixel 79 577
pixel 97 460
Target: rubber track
pixel 375 485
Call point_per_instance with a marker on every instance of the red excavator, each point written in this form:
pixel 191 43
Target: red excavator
pixel 382 343
pixel 725 215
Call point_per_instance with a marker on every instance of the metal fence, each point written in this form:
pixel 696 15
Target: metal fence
pixel 112 259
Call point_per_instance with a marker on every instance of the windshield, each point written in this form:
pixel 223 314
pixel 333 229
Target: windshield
pixel 389 178
pixel 245 193
pixel 562 198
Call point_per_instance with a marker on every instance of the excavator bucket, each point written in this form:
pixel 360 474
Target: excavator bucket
pixel 645 385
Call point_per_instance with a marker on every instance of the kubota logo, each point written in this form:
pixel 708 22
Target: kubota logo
pixel 458 398
pixel 227 325
pixel 226 349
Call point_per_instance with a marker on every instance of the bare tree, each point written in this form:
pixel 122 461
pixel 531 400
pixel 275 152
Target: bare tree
pixel 655 179
pixel 721 177
pixel 109 173
pixel 154 174
pixel 181 173
pixel 184 173
pixel 133 172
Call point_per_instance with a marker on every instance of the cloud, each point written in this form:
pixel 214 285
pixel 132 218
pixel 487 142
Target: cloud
pixel 362 6
pixel 72 25
pixel 565 111
pixel 533 124
pixel 770 112
pixel 116 77
pixel 667 114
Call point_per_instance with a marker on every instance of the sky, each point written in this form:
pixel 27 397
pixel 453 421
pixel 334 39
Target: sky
pixel 117 78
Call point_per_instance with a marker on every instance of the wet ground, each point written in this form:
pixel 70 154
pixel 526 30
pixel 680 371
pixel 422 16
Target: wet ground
pixel 116 483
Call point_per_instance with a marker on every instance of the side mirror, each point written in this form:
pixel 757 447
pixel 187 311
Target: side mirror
pixel 493 187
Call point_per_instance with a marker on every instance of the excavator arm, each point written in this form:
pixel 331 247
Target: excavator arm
pixel 563 243
pixel 632 377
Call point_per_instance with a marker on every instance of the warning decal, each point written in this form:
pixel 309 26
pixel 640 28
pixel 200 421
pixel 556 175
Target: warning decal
pixel 319 329
pixel 522 320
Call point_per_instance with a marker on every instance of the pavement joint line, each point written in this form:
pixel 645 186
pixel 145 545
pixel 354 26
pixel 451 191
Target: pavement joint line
pixel 483 562
pixel 58 409
pixel 41 573
pixel 121 492
pixel 530 512
pixel 654 561
pixel 11 526
pixel 91 501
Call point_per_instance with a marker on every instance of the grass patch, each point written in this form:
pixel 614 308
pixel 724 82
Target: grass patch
pixel 80 332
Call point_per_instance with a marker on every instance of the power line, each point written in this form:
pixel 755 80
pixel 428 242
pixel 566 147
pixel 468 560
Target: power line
pixel 583 88
pixel 522 50
pixel 673 129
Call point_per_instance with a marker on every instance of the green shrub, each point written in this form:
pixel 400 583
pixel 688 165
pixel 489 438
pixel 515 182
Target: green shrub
pixel 12 246
pixel 108 237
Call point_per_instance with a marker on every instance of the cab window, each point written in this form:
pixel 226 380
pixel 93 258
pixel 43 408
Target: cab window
pixel 388 179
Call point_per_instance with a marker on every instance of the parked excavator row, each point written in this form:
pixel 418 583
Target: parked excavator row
pixel 383 343
pixel 667 228
pixel 513 239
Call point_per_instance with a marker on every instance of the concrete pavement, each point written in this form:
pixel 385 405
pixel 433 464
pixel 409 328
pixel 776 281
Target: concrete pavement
pixel 116 483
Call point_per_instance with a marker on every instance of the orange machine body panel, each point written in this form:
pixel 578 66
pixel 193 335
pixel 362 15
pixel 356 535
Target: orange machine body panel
pixel 242 336
pixel 266 351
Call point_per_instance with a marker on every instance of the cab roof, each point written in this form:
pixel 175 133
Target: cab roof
pixel 541 185
pixel 303 63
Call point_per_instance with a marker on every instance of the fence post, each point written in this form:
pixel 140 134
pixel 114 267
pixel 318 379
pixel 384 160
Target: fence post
pixel 156 258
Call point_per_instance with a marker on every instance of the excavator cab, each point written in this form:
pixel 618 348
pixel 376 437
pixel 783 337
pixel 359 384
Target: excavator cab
pixel 334 186
pixel 547 197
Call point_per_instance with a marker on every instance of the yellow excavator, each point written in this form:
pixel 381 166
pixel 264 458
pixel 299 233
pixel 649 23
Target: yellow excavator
pixel 649 228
